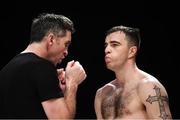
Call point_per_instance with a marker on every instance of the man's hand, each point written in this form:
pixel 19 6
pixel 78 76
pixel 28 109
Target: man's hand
pixel 61 76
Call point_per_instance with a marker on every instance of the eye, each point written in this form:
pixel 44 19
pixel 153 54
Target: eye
pixel 105 45
pixel 67 45
pixel 114 44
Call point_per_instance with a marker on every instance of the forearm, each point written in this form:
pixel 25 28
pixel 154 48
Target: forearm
pixel 70 99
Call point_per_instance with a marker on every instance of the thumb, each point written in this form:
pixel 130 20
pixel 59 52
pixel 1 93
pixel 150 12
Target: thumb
pixel 59 71
pixel 70 64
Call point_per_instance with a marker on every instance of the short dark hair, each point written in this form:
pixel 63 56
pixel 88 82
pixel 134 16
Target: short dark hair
pixel 133 34
pixel 46 22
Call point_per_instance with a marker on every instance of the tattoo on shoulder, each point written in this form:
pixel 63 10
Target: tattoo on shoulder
pixel 160 99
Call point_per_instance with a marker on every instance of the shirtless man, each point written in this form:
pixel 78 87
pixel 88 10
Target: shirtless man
pixel 134 94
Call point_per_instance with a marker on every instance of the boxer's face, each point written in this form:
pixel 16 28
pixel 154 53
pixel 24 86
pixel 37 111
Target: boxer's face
pixel 58 49
pixel 116 50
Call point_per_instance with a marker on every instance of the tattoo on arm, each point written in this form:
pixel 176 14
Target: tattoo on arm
pixel 160 99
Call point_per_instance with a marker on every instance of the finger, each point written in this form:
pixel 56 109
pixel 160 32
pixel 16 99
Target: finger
pixel 60 70
pixel 78 64
pixel 70 64
pixel 63 82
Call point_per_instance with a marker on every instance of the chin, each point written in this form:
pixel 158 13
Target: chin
pixel 59 62
pixel 108 66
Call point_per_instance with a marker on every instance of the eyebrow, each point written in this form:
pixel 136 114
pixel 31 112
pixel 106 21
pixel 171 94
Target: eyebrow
pixel 113 41
pixel 68 42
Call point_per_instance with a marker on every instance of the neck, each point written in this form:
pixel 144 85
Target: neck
pixel 36 48
pixel 128 73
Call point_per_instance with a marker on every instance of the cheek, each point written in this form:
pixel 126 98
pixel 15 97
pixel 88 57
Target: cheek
pixel 61 51
pixel 58 51
pixel 61 48
pixel 120 55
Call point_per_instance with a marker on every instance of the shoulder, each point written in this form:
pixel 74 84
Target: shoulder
pixel 107 87
pixel 43 69
pixel 32 60
pixel 150 86
pixel 149 82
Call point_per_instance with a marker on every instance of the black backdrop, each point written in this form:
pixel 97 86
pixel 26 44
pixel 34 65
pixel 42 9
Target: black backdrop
pixel 159 33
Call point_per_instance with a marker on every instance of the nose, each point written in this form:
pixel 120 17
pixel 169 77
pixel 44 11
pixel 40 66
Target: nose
pixel 107 50
pixel 65 53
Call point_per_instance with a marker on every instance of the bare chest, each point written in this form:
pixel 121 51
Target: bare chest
pixel 117 103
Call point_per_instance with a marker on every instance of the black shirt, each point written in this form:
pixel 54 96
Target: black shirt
pixel 25 82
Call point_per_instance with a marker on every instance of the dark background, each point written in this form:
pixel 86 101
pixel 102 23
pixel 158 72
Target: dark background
pixel 158 23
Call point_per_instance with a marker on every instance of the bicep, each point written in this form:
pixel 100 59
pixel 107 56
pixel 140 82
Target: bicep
pixel 55 108
pixel 155 99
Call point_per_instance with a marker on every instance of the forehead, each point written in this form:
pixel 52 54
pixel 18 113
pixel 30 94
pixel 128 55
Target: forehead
pixel 115 36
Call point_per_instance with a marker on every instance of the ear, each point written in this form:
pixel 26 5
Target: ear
pixel 50 39
pixel 132 51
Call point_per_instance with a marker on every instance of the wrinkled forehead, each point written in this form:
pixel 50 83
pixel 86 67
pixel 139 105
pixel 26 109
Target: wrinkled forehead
pixel 115 36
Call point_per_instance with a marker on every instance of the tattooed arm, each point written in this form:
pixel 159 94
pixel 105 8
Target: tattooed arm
pixel 155 99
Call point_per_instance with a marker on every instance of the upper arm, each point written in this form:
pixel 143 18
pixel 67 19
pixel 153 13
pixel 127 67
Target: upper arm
pixel 56 108
pixel 97 104
pixel 155 99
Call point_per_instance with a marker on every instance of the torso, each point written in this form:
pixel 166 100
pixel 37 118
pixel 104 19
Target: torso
pixel 118 102
pixel 23 86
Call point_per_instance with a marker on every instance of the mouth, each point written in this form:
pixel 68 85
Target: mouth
pixel 107 59
pixel 60 59
pixel 63 57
